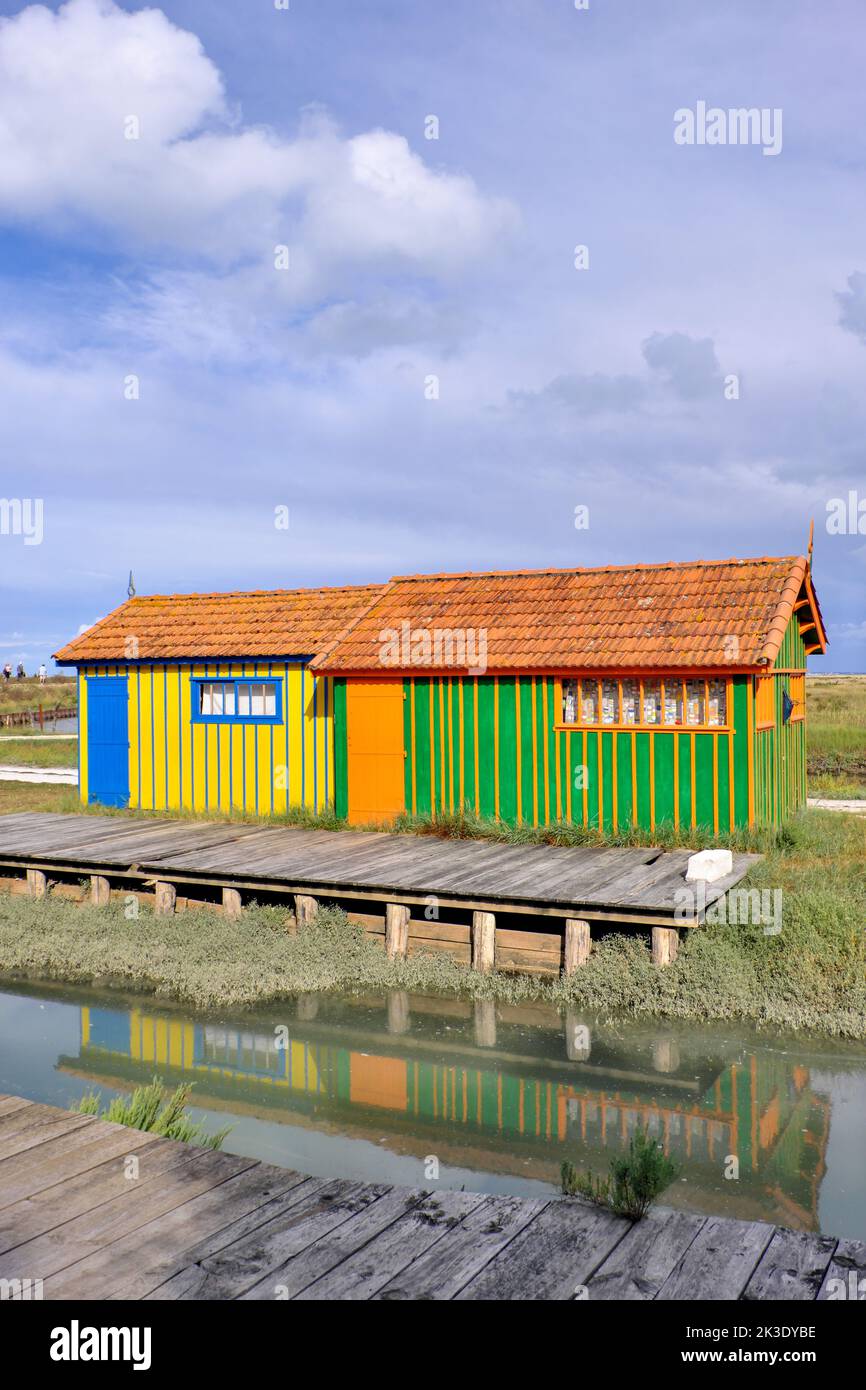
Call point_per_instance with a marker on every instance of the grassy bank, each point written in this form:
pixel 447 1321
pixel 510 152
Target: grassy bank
pixel 39 752
pixel 812 976
pixel 58 692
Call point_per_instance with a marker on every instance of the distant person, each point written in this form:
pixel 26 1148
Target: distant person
pixel 43 674
pixel 7 672
pixel 20 673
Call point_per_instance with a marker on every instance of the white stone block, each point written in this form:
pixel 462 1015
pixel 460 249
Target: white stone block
pixel 708 865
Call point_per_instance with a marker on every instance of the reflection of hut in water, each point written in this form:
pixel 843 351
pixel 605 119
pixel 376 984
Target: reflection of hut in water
pixel 495 1110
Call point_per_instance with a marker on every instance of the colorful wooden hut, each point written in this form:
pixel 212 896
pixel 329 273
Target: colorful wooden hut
pixel 612 697
pixel 206 701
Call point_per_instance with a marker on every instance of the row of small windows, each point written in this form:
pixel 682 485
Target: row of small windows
pixel 668 703
pixel 237 699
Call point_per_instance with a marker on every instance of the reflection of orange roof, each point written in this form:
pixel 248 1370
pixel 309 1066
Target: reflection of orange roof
pixel 268 623
pixel 726 614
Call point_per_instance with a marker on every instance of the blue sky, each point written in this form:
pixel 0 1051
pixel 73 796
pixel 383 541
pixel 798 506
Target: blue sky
pixel 308 387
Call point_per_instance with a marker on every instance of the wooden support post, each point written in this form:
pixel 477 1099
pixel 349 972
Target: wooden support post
pixel 485 1022
pixel 308 1007
pixel 578 1038
pixel 577 943
pixel 100 890
pixel 37 883
pixel 305 909
pixel 666 942
pixel 483 941
pixel 396 930
pixel 232 902
pixel 165 895
pixel 666 1055
pixel 398 1012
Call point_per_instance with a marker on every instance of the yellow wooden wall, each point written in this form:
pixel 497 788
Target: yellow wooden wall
pixel 261 768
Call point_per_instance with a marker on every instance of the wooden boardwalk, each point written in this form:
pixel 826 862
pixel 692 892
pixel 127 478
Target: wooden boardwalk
pixel 94 1210
pixel 630 886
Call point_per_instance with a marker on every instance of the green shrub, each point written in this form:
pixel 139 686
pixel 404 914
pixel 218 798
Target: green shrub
pixel 636 1179
pixel 149 1109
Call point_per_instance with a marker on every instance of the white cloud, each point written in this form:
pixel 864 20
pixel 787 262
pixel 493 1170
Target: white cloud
pixel 197 180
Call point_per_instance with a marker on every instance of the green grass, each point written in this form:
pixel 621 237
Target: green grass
pixel 149 1108
pixel 836 735
pixel 39 752
pixel 811 976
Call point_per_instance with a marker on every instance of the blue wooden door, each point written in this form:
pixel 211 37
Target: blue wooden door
pixel 107 740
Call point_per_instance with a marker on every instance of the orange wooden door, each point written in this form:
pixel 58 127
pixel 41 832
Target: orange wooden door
pixel 374 729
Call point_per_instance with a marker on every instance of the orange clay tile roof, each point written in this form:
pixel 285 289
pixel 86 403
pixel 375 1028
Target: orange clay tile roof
pixel 707 614
pixel 274 623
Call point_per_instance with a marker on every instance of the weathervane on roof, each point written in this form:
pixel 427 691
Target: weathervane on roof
pixel 130 588
pixel 811 541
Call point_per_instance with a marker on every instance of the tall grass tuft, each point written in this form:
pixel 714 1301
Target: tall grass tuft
pixel 636 1179
pixel 149 1109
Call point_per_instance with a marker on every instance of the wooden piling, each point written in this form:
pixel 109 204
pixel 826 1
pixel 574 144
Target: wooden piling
pixel 305 908
pixel 307 1007
pixel 396 930
pixel 165 895
pixel 37 883
pixel 232 906
pixel 398 1012
pixel 485 1022
pixel 666 942
pixel 100 890
pixel 577 945
pixel 483 941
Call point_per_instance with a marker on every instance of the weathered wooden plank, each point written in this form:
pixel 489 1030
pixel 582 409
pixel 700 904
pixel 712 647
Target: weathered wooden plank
pixel 845 1279
pixel 142 1263
pixel 171 1177
pixel 77 1151
pixel 336 1246
pixel 9 1104
pixel 646 1256
pixel 76 1193
pixel 719 1262
pixel 30 1116
pixel 793 1266
pixel 365 1272
pixel 461 1254
pixel 552 1258
pixel 262 1255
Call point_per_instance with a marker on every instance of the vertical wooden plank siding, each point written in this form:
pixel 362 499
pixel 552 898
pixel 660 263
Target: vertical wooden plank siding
pixel 175 763
pixel 523 770
pixel 780 751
